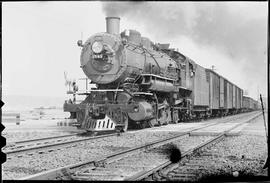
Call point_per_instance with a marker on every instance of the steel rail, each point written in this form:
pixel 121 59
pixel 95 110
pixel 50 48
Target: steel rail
pixel 56 144
pixel 45 138
pixel 59 173
pixel 143 174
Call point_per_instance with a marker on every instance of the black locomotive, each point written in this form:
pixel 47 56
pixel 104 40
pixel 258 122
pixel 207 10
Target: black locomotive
pixel 142 84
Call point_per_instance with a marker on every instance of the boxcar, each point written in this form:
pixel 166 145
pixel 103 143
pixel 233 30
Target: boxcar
pixel 214 89
pixel 233 96
pixel 221 93
pixel 249 104
pixel 241 98
pixel 237 97
pixel 230 95
pixel 255 105
pixel 226 94
pixel 200 89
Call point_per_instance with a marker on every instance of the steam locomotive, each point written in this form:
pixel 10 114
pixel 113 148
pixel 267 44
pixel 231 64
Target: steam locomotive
pixel 142 84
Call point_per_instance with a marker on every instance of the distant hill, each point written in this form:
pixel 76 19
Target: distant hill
pixel 20 102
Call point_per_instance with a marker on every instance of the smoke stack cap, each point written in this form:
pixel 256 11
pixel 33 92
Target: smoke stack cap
pixel 112 25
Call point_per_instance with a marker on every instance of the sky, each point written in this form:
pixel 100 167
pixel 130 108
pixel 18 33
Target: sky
pixel 39 39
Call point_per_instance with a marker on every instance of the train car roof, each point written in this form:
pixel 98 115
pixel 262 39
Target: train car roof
pixel 193 62
pixel 210 70
pixel 245 96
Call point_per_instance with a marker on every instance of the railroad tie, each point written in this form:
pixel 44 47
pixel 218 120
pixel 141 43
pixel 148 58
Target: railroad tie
pixel 94 174
pixel 188 170
pixel 156 176
pixel 183 179
pixel 193 164
pixel 184 175
pixel 135 166
pixel 204 133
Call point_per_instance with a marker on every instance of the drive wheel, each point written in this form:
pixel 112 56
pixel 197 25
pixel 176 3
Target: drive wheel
pixel 168 116
pixel 143 125
pixel 175 116
pixel 152 122
pixel 125 120
pixel 162 116
pixel 81 115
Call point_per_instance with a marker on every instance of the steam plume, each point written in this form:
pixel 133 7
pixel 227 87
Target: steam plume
pixel 236 29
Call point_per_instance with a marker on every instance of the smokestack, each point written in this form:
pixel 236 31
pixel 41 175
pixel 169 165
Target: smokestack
pixel 112 25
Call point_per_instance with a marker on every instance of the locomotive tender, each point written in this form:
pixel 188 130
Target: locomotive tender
pixel 142 84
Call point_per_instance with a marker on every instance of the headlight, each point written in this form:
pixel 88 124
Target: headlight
pixel 136 109
pixel 97 47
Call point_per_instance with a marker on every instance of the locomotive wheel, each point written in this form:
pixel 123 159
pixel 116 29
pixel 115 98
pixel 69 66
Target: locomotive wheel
pixel 80 118
pixel 169 117
pixel 72 115
pixel 175 116
pixel 125 120
pixel 165 116
pixel 153 122
pixel 150 124
pixel 143 124
pixel 162 116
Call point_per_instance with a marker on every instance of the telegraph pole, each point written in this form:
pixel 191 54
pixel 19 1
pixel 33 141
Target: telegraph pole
pixel 266 164
pixel 258 96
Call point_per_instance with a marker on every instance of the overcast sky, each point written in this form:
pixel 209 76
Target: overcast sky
pixel 39 39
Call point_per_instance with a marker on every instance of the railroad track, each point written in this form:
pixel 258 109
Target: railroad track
pixel 46 138
pixel 50 142
pixel 53 143
pixel 168 166
pixel 145 161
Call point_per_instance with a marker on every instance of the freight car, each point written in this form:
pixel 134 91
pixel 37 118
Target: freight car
pixel 250 104
pixel 142 84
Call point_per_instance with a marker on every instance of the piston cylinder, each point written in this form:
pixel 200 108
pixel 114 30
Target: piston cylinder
pixel 112 25
pixel 145 111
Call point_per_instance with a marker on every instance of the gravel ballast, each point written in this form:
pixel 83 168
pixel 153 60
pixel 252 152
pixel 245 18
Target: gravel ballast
pixel 17 167
pixel 235 157
pixel 135 163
